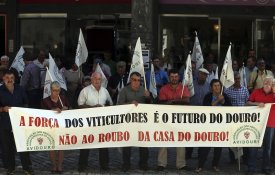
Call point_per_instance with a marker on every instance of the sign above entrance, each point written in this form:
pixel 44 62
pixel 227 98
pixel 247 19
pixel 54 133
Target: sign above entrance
pixel 221 2
pixel 73 1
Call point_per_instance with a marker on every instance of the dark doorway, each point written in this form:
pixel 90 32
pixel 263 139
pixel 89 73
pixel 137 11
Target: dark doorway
pixel 100 39
pixel 239 33
pixel 2 34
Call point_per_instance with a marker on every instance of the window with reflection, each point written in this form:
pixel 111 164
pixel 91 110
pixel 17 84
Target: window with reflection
pixel 48 34
pixel 178 34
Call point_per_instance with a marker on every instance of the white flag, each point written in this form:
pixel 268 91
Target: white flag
pixel 47 85
pixel 243 76
pixel 18 62
pixel 81 51
pixel 55 74
pixel 197 53
pixel 188 76
pixel 120 85
pixel 217 73
pixel 104 81
pixel 153 86
pixel 137 61
pixel 227 74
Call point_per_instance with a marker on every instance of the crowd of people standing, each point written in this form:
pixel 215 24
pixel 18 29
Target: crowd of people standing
pixel 84 90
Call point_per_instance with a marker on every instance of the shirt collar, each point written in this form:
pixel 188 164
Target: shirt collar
pixel 93 88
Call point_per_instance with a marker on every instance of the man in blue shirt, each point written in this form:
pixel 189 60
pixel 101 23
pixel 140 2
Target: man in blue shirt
pixel 160 75
pixel 11 95
pixel 31 81
pixel 238 95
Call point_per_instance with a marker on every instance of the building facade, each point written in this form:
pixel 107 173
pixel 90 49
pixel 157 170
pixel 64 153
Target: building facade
pixel 165 26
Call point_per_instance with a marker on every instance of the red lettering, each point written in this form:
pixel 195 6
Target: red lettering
pixel 22 121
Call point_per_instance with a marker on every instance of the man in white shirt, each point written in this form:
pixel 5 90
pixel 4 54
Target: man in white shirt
pixel 90 97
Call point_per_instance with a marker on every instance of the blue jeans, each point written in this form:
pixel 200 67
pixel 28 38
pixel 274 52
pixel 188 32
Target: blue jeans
pixel 252 158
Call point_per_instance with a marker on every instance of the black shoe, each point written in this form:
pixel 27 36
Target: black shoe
pixel 28 172
pixel 81 168
pixel 266 172
pixel 143 167
pixel 186 168
pixel 125 169
pixel 10 172
pixel 160 168
pixel 104 168
pixel 250 173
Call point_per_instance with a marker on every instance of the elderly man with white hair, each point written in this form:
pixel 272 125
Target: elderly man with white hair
pixel 4 61
pixel 258 98
pixel 5 64
pixel 90 97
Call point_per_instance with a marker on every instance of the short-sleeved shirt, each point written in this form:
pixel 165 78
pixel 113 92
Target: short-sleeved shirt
pixel 16 99
pixel 127 95
pixel 258 95
pixel 167 92
pixel 47 103
pixel 90 96
pixel 238 96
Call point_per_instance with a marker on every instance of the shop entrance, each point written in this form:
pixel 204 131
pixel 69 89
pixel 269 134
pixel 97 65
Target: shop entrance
pixel 178 33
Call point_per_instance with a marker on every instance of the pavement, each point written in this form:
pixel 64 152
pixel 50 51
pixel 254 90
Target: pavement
pixel 42 165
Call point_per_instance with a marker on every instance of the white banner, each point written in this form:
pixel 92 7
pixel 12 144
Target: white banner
pixel 104 81
pixel 55 74
pixel 227 75
pixel 145 125
pixel 81 51
pixel 18 62
pixel 137 61
pixel 47 85
pixel 197 55
pixel 152 85
pixel 188 76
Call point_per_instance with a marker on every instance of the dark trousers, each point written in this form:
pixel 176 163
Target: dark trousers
pixel 252 158
pixel 273 148
pixel 34 97
pixel 143 157
pixel 188 152
pixel 3 153
pixel 9 150
pixel 103 158
pixel 203 152
pixel 231 156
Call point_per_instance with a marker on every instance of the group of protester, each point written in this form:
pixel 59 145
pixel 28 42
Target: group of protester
pixel 88 92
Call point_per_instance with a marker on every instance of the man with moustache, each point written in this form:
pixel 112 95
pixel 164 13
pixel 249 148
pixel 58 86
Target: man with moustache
pixel 12 95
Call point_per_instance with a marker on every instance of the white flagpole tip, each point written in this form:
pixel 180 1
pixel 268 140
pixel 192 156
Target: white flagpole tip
pixel 196 33
pixel 230 43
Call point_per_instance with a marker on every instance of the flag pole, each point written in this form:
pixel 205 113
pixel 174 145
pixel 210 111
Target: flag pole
pixel 222 85
pixel 239 159
pixel 52 81
pixel 182 88
pixel 144 79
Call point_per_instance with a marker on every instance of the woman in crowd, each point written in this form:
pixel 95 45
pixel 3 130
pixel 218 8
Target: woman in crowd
pixel 57 103
pixel 214 98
